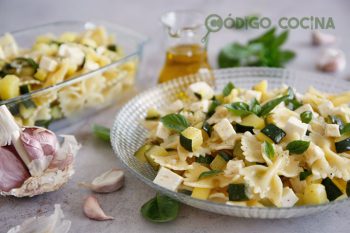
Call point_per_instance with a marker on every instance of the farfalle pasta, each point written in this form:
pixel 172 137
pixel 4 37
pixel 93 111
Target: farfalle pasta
pixel 54 59
pixel 259 147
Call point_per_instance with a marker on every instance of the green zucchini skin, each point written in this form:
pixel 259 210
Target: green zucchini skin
pixel 343 146
pixel 186 143
pixel 236 192
pixel 207 128
pixel 244 128
pixel 333 192
pixel 274 133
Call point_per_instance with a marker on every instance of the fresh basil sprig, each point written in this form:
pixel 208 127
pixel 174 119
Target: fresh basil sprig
pixel 269 150
pixel 175 122
pixel 228 88
pixel 238 108
pixel 209 173
pixel 255 107
pixel 264 50
pixel 212 107
pixel 306 117
pixel 160 209
pixel 298 146
pixel 269 106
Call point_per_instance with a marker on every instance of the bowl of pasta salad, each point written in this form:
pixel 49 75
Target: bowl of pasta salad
pixel 256 142
pixel 56 74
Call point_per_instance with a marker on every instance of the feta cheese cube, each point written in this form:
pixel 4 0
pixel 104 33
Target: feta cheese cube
pixel 202 106
pixel 162 132
pixel 332 130
pixel 47 63
pixel 326 109
pixel 91 65
pixel 202 90
pixel 168 179
pixel 8 45
pixel 176 106
pixel 288 198
pixel 313 153
pixel 304 108
pixel 224 129
pixel 250 95
pixel 72 52
pixel 294 127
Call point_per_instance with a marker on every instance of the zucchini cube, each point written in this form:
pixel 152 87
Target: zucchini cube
pixel 201 193
pixel 191 139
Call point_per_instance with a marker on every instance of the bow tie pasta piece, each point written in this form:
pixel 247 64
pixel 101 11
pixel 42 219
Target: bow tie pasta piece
pixel 280 115
pixel 228 144
pixel 315 158
pixel 218 197
pixel 265 180
pixel 172 162
pixel 340 166
pixel 221 113
pixel 192 174
pixel 251 147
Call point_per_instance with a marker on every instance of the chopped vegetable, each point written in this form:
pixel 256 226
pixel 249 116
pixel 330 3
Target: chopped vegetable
pixel 236 192
pixel 274 133
pixel 269 150
pixel 201 193
pixel 209 173
pixel 140 153
pixel 219 163
pixel 9 87
pixel 191 139
pixel 333 192
pixel 342 146
pixel 304 174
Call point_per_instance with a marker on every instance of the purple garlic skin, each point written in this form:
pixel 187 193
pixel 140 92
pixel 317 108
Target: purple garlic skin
pixel 13 171
pixel 39 142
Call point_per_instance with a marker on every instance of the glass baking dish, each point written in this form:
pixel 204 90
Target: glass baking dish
pixel 80 96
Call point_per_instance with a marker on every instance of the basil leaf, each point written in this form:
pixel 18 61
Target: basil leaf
pixel 209 173
pixel 298 146
pixel 304 174
pixel 269 150
pixel 175 122
pixel 101 132
pixel 212 107
pixel 238 108
pixel 160 209
pixel 27 61
pixel 228 88
pixel 269 106
pixel 306 117
pixel 255 107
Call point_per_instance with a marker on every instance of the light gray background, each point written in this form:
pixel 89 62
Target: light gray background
pixel 95 156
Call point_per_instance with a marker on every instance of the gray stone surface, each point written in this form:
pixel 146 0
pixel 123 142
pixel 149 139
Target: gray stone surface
pixel 96 157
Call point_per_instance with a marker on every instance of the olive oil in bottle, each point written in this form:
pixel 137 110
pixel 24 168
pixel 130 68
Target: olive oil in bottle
pixel 185 52
pixel 182 60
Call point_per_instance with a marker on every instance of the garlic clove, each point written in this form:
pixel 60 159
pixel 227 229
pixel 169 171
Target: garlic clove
pixel 319 38
pixel 110 181
pixel 53 223
pixel 93 210
pixel 13 171
pixel 331 60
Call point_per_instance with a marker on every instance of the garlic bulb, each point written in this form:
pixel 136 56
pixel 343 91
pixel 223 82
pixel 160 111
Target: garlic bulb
pixel 319 38
pixel 13 171
pixel 331 60
pixel 93 210
pixel 110 181
pixel 32 162
pixel 54 223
